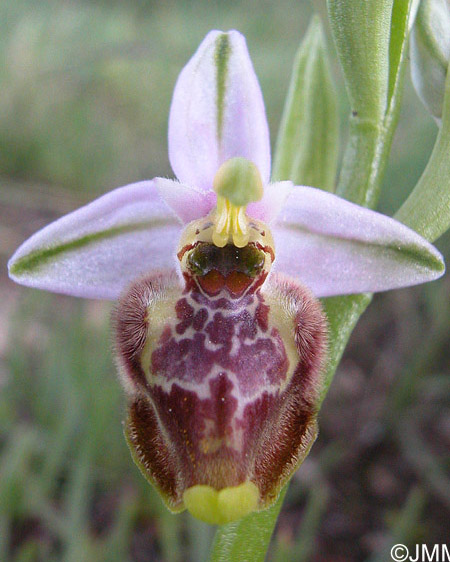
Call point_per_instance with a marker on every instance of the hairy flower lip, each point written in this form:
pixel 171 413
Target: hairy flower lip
pixel 279 425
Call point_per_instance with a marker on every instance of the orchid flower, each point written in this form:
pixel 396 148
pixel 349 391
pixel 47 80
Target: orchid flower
pixel 220 338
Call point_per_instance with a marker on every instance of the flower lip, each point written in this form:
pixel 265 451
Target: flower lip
pixel 222 427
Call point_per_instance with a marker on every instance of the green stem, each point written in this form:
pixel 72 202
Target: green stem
pixel 360 173
pixel 367 152
pixel 370 139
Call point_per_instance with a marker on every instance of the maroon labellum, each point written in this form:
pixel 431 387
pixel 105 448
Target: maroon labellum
pixel 223 376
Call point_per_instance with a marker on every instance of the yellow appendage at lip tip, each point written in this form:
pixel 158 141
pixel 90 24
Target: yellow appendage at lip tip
pixel 223 506
pixel 237 183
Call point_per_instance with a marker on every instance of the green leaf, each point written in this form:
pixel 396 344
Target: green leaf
pixel 308 140
pixel 361 32
pixel 427 209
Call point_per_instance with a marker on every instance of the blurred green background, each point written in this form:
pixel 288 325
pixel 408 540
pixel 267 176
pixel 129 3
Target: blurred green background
pixel 84 100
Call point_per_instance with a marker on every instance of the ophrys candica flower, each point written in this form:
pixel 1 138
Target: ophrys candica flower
pixel 220 337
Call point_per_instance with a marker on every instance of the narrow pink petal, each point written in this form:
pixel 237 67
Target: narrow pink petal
pixel 188 203
pixel 99 249
pixel 217 112
pixel 275 195
pixel 336 247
